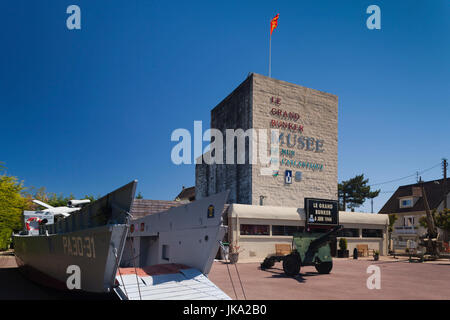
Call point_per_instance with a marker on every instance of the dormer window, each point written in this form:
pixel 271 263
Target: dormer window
pixel 406 203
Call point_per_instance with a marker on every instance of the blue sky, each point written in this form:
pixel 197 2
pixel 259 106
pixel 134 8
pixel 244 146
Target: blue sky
pixel 85 111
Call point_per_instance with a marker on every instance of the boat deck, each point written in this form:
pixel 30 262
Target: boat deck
pixel 166 282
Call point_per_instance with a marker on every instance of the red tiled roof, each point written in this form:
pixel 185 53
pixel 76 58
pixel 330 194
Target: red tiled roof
pixel 142 207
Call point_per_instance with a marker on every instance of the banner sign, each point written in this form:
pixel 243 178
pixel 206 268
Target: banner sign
pixel 320 212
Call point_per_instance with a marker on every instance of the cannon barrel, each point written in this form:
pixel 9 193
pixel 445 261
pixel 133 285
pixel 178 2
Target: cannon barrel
pixel 323 238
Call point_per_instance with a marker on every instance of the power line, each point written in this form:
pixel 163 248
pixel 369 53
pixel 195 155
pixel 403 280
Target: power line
pixel 411 175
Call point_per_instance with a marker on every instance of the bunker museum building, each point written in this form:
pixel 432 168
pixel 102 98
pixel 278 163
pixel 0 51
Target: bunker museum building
pixel 267 206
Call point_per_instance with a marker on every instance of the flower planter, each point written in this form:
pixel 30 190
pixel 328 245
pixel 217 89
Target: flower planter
pixel 234 256
pixel 376 257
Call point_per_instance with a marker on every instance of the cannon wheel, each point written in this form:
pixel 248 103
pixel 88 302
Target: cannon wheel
pixel 324 267
pixel 267 263
pixel 291 265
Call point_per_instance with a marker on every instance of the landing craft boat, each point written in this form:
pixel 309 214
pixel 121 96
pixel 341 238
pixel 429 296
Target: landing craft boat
pixel 165 256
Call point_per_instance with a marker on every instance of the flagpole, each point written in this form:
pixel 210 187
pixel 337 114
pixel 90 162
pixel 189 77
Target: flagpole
pixel 273 25
pixel 270 53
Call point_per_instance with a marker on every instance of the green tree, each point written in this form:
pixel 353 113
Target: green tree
pixel 53 199
pixel 139 196
pixel 392 219
pixel 91 197
pixel 441 220
pixel 12 204
pixel 353 193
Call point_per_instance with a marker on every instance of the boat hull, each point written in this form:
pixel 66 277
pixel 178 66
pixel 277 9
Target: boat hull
pixel 47 259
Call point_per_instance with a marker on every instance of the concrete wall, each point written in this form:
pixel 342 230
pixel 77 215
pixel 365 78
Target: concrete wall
pixel 234 112
pixel 250 106
pixel 318 113
pixel 257 248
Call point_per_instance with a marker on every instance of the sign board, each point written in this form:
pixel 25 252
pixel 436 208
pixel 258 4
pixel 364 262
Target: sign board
pixel 320 212
pixel 32 219
pixel 288 176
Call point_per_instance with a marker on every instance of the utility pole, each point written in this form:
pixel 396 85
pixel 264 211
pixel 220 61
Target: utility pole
pixel 444 168
pixel 432 233
pixel 371 203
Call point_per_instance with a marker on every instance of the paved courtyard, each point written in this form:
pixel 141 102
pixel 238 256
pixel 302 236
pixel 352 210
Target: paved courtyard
pixel 399 280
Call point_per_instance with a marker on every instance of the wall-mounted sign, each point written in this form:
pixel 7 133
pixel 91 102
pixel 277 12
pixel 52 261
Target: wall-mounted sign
pixel 288 176
pixel 298 176
pixel 275 100
pixel 321 212
pixel 285 119
pixel 294 116
pixel 301 164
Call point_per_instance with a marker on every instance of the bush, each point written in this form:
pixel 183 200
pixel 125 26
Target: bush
pixel 5 238
pixel 343 244
pixel 12 203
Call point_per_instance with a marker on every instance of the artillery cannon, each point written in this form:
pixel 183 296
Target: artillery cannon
pixel 309 249
pixel 430 241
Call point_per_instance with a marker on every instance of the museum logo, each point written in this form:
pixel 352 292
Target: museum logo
pixel 253 146
pixel 236 146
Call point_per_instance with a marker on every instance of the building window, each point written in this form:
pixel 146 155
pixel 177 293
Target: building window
pixel 408 221
pixel 349 233
pixel 254 230
pixel 406 203
pixel 372 233
pixel 286 230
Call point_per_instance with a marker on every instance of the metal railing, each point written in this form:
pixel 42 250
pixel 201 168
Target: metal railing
pixel 405 230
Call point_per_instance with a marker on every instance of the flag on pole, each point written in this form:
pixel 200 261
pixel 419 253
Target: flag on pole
pixel 274 23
